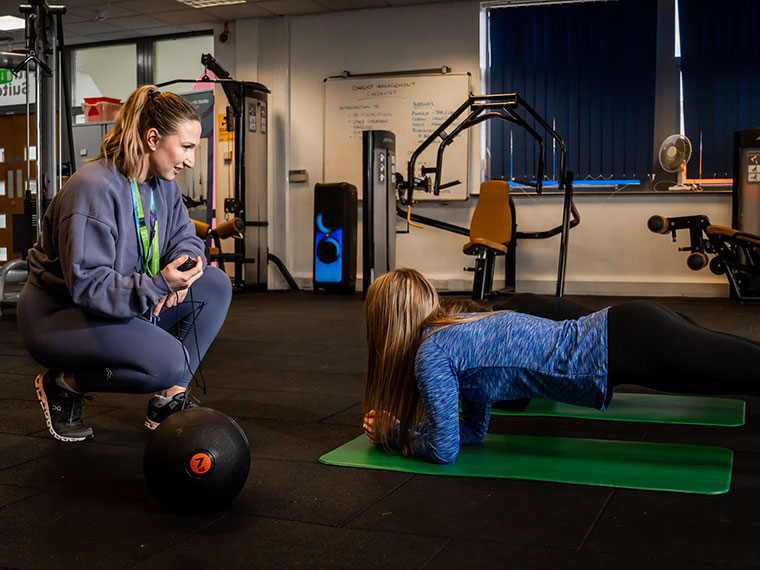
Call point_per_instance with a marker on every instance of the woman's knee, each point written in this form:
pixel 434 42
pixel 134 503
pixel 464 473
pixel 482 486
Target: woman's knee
pixel 170 371
pixel 215 285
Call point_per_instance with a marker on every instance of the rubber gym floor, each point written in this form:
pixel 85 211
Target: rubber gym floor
pixel 288 366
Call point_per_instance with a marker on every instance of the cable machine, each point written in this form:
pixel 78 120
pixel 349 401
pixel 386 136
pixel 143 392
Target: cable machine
pixel 475 110
pixel 247 117
pixel 43 57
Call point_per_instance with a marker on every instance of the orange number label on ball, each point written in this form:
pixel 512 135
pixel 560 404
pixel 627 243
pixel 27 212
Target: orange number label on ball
pixel 200 463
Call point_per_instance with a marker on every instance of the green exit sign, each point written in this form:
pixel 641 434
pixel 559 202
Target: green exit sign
pixel 5 76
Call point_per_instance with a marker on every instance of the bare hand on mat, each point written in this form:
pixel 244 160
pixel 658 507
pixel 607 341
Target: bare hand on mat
pixel 369 421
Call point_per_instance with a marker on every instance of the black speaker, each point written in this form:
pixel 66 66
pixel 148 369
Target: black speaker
pixel 335 212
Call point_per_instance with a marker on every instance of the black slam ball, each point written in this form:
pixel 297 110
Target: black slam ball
pixel 196 459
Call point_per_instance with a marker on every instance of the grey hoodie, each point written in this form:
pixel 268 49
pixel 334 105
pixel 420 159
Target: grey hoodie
pixel 88 253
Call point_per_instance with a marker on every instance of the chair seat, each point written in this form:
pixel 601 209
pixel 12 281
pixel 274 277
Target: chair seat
pixel 473 246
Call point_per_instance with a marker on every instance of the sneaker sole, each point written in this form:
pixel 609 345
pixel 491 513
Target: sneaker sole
pixel 44 404
pixel 151 425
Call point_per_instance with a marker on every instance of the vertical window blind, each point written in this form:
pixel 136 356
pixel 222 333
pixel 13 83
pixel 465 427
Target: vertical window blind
pixel 589 70
pixel 720 62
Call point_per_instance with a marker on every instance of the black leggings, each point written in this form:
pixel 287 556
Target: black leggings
pixel 655 347
pixel 554 308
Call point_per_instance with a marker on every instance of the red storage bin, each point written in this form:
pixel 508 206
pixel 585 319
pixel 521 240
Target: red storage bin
pixel 100 109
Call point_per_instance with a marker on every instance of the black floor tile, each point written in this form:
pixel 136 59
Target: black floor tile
pixel 294 441
pixel 740 439
pixel 287 406
pixel 20 364
pixel 19 450
pixel 11 494
pixel 245 376
pixel 86 530
pixel 241 369
pixel 100 472
pixel 307 491
pixel 261 543
pixel 18 387
pixel 352 417
pixel 476 554
pixel 720 529
pixel 489 509
pixel 481 554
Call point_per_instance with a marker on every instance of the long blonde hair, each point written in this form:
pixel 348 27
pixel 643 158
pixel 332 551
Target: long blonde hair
pixel 400 305
pixel 145 108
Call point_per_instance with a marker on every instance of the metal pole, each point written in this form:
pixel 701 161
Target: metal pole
pixel 38 162
pixel 57 55
pixel 562 265
pixel 28 157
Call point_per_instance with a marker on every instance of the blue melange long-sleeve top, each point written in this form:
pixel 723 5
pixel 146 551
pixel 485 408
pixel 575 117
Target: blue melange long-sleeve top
pixel 89 255
pixel 504 356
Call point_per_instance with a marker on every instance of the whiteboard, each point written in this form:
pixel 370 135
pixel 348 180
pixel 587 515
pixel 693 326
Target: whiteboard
pixel 412 107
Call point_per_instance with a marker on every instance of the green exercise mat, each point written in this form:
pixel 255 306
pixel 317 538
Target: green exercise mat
pixel 655 408
pixel 624 464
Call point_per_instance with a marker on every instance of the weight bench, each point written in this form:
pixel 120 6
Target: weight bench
pixel 736 254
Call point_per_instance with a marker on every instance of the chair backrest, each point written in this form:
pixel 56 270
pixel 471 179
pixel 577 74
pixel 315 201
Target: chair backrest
pixel 492 218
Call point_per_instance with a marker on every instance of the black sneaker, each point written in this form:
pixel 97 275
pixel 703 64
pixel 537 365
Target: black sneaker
pixel 62 409
pixel 158 413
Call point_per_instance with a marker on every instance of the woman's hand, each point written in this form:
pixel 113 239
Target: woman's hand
pixel 369 420
pixel 181 280
pixel 169 300
pixel 369 425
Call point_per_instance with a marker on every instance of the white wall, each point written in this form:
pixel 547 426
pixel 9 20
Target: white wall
pixel 611 252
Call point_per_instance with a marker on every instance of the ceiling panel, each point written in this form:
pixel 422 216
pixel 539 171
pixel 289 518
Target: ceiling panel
pixel 98 20
pixel 150 6
pixel 140 22
pixel 78 39
pixel 90 28
pixel 95 12
pixel 199 27
pixel 414 2
pixel 185 16
pixel 293 7
pixel 238 11
pixel 165 31
pixel 341 5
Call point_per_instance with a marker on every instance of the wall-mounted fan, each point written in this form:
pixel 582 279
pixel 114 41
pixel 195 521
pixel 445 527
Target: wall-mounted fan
pixel 675 152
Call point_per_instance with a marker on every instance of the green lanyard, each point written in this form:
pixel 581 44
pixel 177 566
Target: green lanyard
pixel 149 248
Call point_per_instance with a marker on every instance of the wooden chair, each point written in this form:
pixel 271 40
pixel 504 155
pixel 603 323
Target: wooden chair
pixel 491 230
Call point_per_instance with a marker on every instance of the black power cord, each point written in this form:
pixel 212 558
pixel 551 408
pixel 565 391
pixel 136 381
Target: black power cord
pixel 202 382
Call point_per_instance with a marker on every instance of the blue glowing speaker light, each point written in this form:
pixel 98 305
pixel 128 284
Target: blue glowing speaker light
pixel 335 226
pixel 328 248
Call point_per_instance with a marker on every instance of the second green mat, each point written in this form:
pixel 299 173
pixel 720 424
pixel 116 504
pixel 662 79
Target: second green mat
pixel 655 408
pixel 625 464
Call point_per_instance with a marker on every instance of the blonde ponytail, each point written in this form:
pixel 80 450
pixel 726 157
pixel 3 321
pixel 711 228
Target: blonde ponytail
pixel 145 108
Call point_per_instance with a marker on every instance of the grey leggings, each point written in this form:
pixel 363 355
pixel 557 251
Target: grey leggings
pixel 125 355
